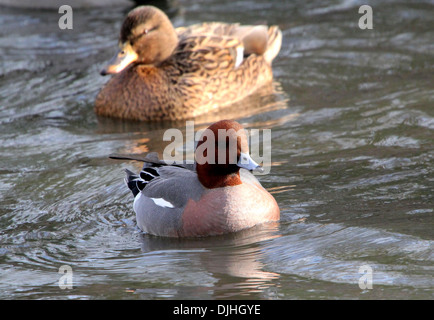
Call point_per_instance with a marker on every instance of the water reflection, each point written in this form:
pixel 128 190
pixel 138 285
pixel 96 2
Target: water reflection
pixel 234 261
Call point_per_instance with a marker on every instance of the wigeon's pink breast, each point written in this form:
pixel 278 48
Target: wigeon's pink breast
pixel 229 209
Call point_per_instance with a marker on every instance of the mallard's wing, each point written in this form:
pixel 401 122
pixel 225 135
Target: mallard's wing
pixel 255 39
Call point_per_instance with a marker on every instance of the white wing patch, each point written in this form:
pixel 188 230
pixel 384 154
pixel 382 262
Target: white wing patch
pixel 240 56
pixel 158 201
pixel 162 203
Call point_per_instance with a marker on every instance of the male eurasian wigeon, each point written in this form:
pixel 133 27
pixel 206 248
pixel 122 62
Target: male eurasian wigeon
pixel 210 197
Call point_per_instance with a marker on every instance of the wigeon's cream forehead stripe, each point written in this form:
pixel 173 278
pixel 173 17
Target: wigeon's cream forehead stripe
pixel 162 203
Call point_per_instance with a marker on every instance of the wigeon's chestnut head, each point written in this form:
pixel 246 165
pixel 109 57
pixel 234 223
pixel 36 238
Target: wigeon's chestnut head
pixel 216 195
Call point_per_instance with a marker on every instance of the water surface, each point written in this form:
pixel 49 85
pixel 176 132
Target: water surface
pixel 352 120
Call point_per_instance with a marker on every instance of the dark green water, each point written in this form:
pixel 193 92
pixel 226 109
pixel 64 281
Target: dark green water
pixel 352 120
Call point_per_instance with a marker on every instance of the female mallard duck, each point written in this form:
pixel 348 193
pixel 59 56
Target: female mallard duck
pixel 162 73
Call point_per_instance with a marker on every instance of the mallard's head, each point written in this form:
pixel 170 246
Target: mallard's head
pixel 147 37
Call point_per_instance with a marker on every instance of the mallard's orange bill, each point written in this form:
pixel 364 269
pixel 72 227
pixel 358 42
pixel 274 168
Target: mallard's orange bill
pixel 120 61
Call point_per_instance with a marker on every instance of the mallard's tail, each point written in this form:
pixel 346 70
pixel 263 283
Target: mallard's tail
pixel 274 43
pixel 260 40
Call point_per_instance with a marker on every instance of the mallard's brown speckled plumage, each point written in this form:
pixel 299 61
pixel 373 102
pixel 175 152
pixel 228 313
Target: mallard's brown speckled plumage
pixel 188 73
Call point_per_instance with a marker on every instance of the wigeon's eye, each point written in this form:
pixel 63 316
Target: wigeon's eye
pixel 146 31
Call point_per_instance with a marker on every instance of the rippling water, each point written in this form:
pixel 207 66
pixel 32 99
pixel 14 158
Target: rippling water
pixel 352 119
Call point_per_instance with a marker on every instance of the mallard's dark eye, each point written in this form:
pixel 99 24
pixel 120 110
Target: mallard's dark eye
pixel 146 31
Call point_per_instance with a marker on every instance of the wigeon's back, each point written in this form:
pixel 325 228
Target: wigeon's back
pixel 209 198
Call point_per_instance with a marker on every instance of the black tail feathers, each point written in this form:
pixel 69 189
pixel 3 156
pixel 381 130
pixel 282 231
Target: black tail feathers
pixel 137 183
